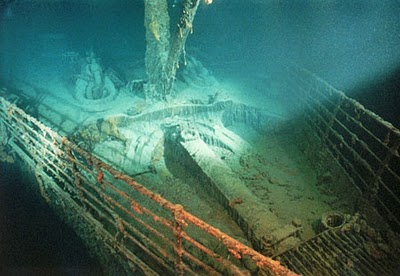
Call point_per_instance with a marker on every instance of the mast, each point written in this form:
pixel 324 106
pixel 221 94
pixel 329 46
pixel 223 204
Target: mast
pixel 163 49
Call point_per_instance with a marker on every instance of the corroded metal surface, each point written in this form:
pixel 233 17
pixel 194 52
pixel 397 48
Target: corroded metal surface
pixel 355 250
pixel 152 234
pixel 365 145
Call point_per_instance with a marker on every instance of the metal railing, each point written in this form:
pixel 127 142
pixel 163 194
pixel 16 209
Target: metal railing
pixel 365 145
pixel 155 235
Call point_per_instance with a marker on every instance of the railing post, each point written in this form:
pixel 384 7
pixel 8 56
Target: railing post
pixel 75 173
pixel 178 232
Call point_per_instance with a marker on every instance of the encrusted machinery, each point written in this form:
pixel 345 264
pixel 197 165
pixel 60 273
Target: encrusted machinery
pixel 203 150
pixel 195 138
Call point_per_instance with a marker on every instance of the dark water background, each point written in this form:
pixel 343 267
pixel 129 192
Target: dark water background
pixel 33 239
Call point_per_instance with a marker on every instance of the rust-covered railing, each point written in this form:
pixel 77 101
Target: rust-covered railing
pixel 365 145
pixel 154 235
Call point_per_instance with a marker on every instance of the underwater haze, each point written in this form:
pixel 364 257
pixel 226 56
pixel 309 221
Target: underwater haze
pixel 346 42
pixel 351 44
pixel 45 45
